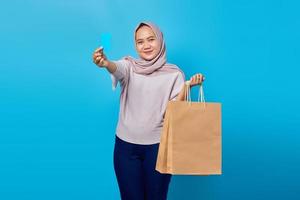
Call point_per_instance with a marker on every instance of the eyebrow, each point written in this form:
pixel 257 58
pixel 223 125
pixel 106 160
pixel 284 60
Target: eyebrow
pixel 146 38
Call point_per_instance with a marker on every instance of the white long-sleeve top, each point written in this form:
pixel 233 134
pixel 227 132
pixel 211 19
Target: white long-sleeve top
pixel 143 102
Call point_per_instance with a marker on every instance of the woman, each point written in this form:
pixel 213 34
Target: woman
pixel 147 84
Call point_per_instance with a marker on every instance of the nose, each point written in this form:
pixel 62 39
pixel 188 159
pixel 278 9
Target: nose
pixel 146 45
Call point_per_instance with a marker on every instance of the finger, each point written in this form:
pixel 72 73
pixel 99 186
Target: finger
pixel 98 59
pixel 101 49
pixel 98 49
pixel 98 62
pixel 101 61
pixel 193 80
pixel 96 55
pixel 201 77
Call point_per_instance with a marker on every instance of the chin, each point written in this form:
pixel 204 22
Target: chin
pixel 148 57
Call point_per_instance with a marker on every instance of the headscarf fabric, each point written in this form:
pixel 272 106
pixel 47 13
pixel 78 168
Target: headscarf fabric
pixel 158 63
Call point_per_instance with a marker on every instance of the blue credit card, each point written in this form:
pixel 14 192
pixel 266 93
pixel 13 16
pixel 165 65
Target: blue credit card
pixel 105 41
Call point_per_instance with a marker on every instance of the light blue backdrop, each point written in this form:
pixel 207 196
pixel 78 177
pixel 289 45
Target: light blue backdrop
pixel 58 112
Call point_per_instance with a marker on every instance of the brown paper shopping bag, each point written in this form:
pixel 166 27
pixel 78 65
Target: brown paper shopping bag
pixel 191 138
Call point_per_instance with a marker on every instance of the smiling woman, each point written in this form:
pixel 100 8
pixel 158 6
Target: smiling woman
pixel 147 83
pixel 147 45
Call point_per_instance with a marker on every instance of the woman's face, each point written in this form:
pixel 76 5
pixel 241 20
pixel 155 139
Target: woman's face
pixel 146 43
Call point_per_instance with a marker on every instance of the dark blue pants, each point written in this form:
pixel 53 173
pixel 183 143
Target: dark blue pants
pixel 135 171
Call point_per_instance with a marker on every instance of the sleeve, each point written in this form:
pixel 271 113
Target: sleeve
pixel 177 87
pixel 121 74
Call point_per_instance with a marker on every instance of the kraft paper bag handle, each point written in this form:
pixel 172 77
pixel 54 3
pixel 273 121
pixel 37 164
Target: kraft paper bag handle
pixel 200 93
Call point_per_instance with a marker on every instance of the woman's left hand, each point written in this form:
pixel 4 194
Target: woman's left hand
pixel 196 79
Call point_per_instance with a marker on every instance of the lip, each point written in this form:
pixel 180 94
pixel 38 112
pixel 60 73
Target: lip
pixel 148 52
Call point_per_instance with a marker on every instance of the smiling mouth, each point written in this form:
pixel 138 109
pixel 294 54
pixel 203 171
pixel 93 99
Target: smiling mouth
pixel 149 52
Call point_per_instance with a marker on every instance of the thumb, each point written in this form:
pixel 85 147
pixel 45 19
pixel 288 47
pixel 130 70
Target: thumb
pixel 101 49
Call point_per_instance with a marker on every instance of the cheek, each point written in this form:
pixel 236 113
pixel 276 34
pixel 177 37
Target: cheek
pixel 138 48
pixel 156 45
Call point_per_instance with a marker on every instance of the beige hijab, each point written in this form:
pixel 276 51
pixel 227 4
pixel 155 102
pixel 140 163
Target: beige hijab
pixel 145 67
pixel 157 64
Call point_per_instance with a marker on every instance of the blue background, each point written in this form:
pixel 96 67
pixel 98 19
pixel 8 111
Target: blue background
pixel 58 112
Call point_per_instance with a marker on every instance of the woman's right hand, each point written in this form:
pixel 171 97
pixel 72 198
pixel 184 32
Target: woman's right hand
pixel 99 58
